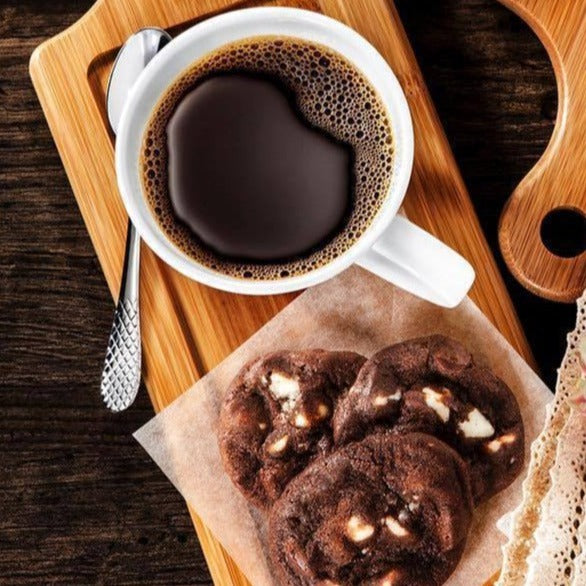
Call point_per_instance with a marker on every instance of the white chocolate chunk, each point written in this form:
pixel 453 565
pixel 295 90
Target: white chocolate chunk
pixel 413 507
pixel 278 446
pixel 476 425
pixel 403 516
pixel 323 410
pixel 383 400
pixel 496 444
pixel 301 420
pixel 435 401
pixel 395 527
pixel 285 390
pixel 358 530
pixel 262 426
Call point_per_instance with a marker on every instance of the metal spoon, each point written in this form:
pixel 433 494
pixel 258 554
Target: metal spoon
pixel 122 366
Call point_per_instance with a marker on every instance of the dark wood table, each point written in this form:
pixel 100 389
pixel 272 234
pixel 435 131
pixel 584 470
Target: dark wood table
pixel 81 503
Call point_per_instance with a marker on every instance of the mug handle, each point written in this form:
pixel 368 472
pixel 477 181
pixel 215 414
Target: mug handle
pixel 419 263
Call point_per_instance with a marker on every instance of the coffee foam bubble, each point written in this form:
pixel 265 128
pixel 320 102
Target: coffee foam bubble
pixel 330 93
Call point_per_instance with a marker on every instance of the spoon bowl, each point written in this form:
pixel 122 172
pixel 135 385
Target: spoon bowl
pixel 133 57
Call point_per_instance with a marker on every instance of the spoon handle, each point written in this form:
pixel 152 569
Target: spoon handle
pixel 122 366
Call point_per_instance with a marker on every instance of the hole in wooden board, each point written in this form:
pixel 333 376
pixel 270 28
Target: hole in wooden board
pixel 563 232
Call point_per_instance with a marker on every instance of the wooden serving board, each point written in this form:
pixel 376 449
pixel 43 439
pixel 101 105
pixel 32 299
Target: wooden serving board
pixel 559 178
pixel 187 328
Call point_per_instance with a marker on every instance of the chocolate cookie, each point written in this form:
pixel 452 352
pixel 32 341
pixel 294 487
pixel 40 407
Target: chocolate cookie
pixel 276 417
pixel 390 510
pixel 432 385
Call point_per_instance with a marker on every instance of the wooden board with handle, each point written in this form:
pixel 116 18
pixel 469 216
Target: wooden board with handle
pixel 188 328
pixel 558 181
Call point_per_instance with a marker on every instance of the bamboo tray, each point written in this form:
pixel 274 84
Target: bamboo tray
pixel 188 328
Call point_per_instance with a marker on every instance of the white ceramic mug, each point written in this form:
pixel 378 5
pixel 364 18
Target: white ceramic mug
pixel 392 247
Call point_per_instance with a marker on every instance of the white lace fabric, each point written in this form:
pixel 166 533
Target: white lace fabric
pixel 547 541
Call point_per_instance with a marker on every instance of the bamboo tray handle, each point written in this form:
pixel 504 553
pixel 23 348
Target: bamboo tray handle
pixel 559 178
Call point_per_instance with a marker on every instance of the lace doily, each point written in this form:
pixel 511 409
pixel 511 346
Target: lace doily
pixel 547 542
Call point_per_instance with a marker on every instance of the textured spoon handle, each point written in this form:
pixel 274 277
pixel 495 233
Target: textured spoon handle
pixel 122 366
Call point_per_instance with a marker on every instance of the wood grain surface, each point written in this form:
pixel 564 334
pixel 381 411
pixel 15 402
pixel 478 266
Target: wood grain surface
pixel 558 179
pixel 82 503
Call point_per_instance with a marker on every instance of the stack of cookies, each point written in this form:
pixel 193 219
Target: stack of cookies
pixel 369 470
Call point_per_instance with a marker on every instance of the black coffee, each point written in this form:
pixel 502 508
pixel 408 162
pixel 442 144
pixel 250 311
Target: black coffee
pixel 246 172
pixel 267 158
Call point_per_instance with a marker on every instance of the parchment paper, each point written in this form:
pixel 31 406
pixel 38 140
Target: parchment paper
pixel 355 311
